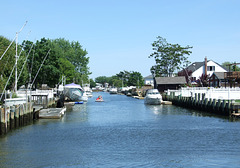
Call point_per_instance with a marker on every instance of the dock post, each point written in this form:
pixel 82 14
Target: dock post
pixel 29 112
pixel 203 100
pixel 199 99
pixel 214 104
pixel 195 101
pixel 228 107
pixel 223 107
pixel 205 103
pixel 218 104
pixel 209 105
pixel 3 129
pixel 7 120
pixel 12 120
pixel 25 116
pixel 21 115
pixel 16 116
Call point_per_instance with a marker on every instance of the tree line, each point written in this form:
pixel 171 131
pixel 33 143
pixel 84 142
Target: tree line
pixel 122 79
pixel 62 58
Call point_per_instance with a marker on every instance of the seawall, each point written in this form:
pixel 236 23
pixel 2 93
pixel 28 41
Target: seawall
pixel 199 102
pixel 19 115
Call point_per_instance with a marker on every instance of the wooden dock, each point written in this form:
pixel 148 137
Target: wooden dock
pixel 52 113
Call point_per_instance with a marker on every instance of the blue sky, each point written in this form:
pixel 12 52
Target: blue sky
pixel 118 33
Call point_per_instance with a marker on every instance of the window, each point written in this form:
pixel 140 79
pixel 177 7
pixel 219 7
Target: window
pixel 210 68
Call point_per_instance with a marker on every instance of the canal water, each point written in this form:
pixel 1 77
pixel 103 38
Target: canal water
pixel 124 132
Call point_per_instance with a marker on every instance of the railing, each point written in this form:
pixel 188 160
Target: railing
pixel 213 93
pixel 230 75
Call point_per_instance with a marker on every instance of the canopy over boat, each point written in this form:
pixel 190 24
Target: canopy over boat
pixel 73 85
pixel 73 91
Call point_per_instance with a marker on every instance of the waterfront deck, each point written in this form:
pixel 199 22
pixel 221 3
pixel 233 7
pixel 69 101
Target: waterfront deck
pixel 232 75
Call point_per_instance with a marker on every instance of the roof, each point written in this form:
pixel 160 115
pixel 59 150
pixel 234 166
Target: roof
pixel 219 75
pixel 73 85
pixel 196 65
pixel 148 77
pixel 170 80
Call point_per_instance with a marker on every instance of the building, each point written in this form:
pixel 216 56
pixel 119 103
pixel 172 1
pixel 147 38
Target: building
pixel 165 83
pixel 148 80
pixel 217 79
pixel 196 69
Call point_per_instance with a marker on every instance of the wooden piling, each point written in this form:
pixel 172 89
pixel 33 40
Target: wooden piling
pixel 3 129
pixel 16 116
pixel 12 120
pixel 7 120
pixel 200 102
pixel 20 115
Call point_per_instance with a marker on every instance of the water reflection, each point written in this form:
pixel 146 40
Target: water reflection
pixel 156 109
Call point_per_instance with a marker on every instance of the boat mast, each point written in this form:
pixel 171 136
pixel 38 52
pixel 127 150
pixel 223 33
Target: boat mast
pixel 15 89
pixel 16 77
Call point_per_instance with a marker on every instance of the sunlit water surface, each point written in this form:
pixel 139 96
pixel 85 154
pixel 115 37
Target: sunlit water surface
pixel 124 132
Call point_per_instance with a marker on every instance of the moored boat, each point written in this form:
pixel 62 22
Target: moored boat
pixel 113 91
pixel 153 97
pixel 74 92
pixel 88 90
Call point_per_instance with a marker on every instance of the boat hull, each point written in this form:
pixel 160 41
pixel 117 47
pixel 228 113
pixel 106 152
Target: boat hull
pixel 153 97
pixel 152 101
pixel 99 100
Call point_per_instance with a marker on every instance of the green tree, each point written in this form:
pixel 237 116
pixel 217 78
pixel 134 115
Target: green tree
pixel 135 79
pixel 168 57
pixel 92 83
pixel 49 72
pixel 66 69
pixel 102 79
pixel 124 76
pixel 7 64
pixel 65 59
pixel 77 56
pixel 233 67
pixel 115 81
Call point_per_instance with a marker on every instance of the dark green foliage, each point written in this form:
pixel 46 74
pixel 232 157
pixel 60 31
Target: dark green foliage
pixel 92 83
pixel 7 63
pixel 64 59
pixel 230 66
pixel 102 79
pixel 135 79
pixel 168 57
pixel 122 79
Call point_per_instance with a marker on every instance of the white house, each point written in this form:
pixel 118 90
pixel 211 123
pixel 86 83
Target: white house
pixel 196 69
pixel 148 80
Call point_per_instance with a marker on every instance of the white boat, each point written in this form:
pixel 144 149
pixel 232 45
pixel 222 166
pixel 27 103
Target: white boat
pixel 153 97
pixel 113 91
pixel 88 90
pixel 84 97
pixel 74 92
